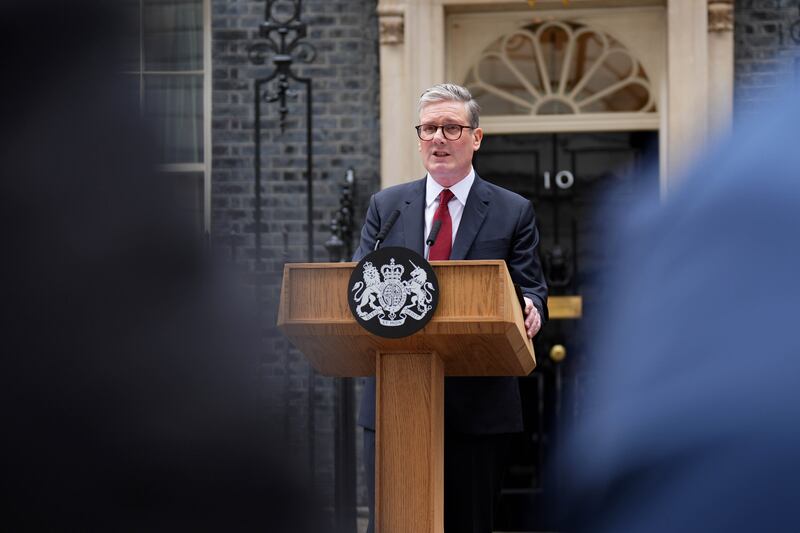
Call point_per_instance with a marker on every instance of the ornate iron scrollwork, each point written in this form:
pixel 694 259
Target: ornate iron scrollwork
pixel 282 41
pixel 279 40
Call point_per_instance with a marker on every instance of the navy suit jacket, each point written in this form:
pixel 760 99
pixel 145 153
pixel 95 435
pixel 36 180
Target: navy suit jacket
pixel 496 224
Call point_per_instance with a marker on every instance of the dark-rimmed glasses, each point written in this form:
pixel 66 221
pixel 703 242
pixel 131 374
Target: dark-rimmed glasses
pixel 451 132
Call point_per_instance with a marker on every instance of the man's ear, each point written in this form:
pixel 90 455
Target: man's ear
pixel 477 137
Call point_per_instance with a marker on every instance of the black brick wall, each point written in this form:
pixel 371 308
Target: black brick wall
pixel 767 50
pixel 345 113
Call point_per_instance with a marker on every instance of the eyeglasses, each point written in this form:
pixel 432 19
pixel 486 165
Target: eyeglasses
pixel 451 132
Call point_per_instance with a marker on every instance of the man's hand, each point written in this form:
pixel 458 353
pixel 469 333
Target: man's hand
pixel 533 322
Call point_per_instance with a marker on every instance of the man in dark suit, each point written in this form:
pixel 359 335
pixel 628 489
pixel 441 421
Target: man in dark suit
pixel 478 221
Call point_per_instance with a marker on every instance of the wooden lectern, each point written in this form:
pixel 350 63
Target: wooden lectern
pixel 477 330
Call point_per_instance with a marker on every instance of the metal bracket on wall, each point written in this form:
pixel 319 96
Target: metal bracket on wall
pixel 281 40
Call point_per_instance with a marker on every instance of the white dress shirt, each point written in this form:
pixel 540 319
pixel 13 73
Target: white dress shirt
pixel 456 206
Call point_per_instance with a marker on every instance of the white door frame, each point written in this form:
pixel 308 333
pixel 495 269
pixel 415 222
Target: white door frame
pixel 412 58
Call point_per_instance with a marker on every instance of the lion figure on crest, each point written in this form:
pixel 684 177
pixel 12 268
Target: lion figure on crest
pixel 367 291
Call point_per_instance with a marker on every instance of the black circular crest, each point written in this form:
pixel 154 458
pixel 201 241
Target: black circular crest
pixel 393 292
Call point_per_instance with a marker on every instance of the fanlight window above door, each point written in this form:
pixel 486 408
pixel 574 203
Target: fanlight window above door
pixel 558 68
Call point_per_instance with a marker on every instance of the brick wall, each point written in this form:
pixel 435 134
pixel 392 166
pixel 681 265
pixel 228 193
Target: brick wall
pixel 767 49
pixel 345 114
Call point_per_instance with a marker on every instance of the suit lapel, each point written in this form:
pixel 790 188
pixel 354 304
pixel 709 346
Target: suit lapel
pixel 472 219
pixel 413 217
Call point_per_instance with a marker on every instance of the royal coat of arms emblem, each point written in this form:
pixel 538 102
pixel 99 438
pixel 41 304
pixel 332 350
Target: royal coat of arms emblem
pixel 402 304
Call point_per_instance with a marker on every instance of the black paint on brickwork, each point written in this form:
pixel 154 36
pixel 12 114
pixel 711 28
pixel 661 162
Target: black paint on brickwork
pixel 345 104
pixel 767 50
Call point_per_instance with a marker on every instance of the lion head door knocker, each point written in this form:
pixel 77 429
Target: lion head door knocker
pixel 558 269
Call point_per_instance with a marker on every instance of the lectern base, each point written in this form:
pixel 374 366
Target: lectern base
pixel 409 444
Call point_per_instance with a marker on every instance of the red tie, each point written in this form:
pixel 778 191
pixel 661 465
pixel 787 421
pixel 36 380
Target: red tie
pixel 444 241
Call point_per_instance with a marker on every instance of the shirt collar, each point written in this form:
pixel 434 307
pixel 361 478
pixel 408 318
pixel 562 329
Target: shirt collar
pixel 460 190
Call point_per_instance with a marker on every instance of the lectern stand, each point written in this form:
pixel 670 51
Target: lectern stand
pixel 478 330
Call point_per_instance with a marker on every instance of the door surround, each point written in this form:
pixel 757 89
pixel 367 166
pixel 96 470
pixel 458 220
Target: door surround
pixel 413 52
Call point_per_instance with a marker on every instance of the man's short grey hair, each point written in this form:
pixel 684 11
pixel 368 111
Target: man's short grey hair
pixel 450 92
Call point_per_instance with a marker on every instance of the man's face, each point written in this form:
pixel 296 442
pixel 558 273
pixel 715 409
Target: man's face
pixel 448 161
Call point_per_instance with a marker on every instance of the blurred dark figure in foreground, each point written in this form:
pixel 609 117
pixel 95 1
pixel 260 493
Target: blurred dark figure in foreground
pixel 128 380
pixel 693 423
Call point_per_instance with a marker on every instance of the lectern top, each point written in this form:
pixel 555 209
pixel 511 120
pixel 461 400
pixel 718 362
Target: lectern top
pixel 478 328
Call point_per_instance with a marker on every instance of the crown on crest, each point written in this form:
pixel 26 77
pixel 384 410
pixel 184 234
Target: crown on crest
pixel 392 272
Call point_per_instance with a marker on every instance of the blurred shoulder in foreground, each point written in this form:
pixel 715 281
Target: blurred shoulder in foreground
pixel 129 389
pixel 692 425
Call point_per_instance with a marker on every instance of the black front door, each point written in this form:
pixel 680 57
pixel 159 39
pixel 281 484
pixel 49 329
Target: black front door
pixel 579 184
